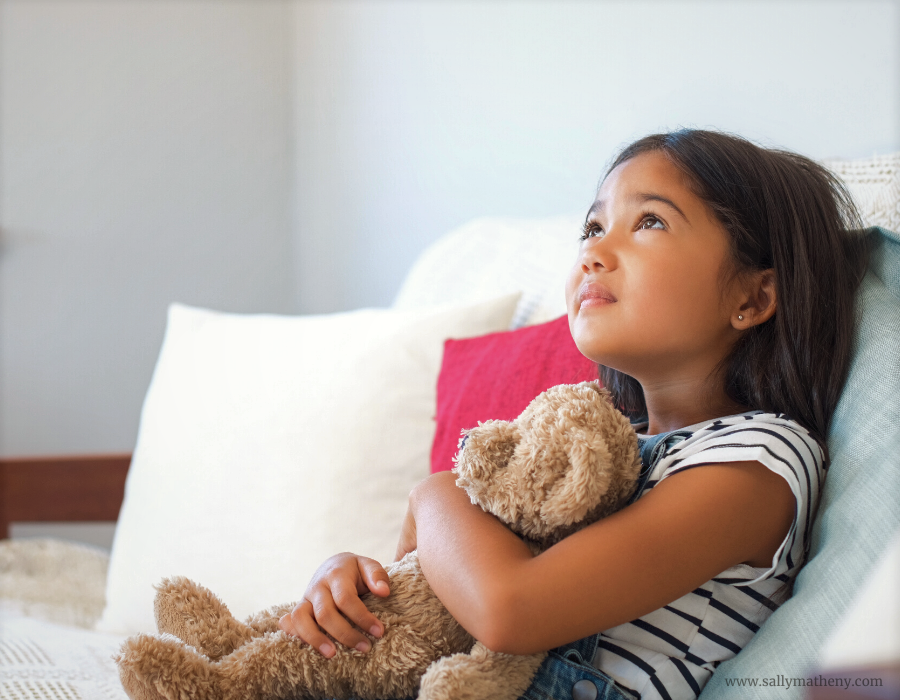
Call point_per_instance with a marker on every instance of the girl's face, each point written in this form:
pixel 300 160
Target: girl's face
pixel 647 294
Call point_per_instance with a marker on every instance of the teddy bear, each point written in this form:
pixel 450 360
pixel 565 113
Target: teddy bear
pixel 568 460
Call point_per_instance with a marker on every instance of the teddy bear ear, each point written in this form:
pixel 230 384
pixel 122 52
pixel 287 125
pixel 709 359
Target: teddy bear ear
pixel 584 484
pixel 485 450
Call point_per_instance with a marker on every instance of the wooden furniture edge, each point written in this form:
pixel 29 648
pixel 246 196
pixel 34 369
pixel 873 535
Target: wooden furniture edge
pixel 67 488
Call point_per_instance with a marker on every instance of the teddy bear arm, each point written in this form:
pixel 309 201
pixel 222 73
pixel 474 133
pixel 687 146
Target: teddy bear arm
pixel 197 617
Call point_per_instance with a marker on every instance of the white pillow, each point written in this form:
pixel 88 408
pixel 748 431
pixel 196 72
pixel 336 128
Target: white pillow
pixel 269 443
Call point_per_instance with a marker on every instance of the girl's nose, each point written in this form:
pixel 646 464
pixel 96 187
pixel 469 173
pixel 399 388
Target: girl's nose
pixel 597 254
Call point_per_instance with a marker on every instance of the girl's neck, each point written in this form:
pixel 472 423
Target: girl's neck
pixel 674 406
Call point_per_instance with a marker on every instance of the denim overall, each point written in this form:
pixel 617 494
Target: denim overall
pixel 567 674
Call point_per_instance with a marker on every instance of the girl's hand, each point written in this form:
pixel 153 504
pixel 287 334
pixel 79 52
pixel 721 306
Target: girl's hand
pixel 331 602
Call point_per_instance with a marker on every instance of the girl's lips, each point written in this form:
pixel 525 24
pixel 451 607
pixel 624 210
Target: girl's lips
pixel 594 301
pixel 595 294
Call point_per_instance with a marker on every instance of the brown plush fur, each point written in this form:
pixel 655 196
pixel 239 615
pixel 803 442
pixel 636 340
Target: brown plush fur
pixel 567 461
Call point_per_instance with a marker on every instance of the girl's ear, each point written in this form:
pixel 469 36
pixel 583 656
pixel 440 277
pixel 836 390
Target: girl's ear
pixel 759 300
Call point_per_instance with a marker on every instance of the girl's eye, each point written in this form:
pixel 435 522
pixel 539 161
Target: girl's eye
pixel 591 230
pixel 652 221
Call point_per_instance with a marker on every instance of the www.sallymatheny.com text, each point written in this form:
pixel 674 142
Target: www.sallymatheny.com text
pixel 820 681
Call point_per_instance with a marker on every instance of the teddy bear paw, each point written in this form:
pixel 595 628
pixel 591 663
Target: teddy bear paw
pixel 162 667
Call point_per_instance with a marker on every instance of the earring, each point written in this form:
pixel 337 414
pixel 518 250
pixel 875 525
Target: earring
pixel 740 318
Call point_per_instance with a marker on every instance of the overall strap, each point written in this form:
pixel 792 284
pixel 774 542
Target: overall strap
pixel 652 448
pixel 582 650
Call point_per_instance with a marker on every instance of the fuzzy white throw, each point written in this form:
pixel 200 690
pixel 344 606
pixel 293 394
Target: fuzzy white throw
pixel 51 593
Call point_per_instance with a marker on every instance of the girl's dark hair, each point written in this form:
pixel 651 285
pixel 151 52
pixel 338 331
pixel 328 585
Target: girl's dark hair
pixel 788 213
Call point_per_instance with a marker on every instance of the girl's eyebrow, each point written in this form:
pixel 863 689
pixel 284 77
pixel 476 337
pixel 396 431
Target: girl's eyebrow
pixel 640 197
pixel 652 197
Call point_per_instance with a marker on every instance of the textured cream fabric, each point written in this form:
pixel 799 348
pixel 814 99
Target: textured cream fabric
pixel 875 185
pixel 50 591
pixel 58 581
pixel 43 660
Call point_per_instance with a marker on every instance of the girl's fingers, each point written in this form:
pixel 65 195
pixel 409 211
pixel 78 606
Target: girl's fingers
pixel 304 626
pixel 351 607
pixel 331 603
pixel 286 625
pixel 327 611
pixel 375 577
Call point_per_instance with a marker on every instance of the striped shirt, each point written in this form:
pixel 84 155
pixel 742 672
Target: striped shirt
pixel 671 653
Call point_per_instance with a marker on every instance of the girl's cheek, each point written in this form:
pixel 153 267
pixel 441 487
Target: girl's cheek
pixel 572 287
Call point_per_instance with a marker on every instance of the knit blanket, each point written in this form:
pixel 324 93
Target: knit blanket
pixel 51 594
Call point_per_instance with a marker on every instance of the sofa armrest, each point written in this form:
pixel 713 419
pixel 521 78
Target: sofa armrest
pixel 76 488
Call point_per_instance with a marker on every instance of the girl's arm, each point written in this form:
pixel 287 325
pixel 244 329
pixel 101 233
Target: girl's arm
pixel 691 527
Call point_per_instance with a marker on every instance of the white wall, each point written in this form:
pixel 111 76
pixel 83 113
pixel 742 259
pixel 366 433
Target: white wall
pixel 413 117
pixel 279 155
pixel 144 158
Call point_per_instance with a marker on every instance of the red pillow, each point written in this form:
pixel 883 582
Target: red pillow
pixel 497 376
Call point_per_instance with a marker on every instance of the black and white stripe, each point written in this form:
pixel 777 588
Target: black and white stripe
pixel 671 653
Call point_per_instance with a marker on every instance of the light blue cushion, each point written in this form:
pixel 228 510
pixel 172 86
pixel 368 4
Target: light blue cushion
pixel 860 506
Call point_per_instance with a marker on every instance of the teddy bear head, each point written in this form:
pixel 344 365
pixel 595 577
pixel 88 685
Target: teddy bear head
pixel 568 460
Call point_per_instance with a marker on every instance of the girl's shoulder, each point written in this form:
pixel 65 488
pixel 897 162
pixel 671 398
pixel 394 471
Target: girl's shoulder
pixel 749 423
pixel 773 439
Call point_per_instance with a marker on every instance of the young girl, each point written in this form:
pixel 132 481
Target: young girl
pixel 714 287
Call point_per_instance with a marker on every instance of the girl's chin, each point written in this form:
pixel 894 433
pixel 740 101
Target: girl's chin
pixel 592 350
pixel 599 349
pixel 590 336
